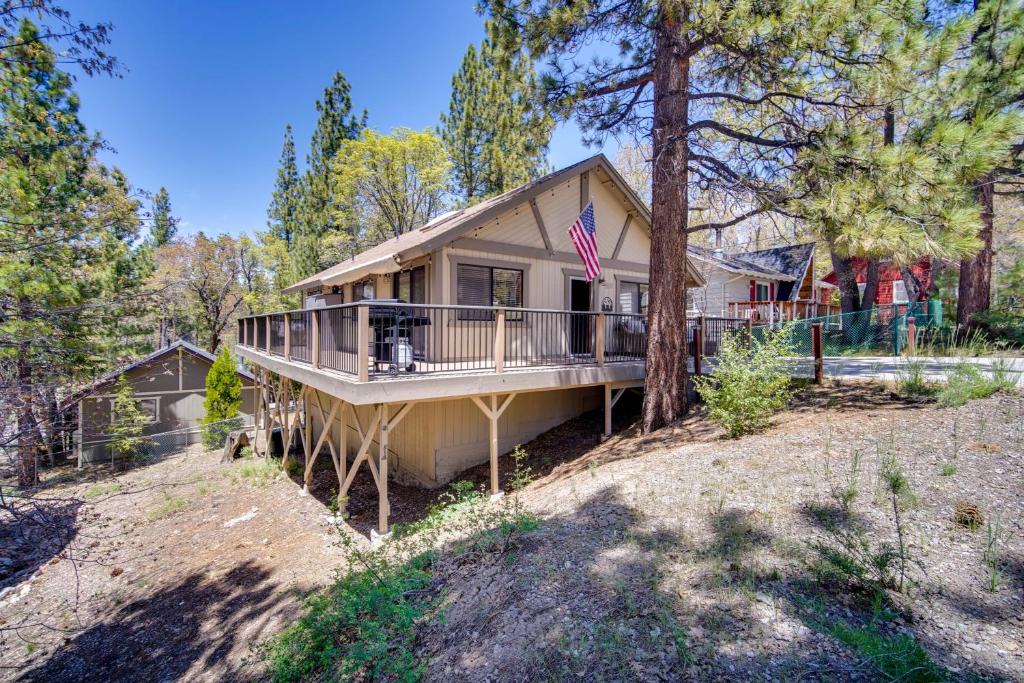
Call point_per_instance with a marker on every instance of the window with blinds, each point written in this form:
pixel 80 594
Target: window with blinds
pixel 487 286
pixel 633 297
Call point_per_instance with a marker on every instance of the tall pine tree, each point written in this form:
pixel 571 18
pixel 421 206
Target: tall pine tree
pixel 69 271
pixel 495 133
pixel 320 207
pixel 164 225
pixel 729 95
pixel 283 213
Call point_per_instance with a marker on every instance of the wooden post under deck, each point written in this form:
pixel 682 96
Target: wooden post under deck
pixel 611 397
pixel 382 473
pixel 493 413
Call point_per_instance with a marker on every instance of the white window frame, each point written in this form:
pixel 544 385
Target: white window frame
pixel 903 299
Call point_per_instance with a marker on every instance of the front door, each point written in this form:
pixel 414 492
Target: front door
pixel 579 325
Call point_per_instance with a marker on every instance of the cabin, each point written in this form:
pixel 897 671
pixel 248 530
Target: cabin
pixel 170 386
pixel 441 349
pixel 764 286
pixel 891 287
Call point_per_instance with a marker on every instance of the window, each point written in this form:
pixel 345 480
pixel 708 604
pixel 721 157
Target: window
pixel 762 292
pixel 150 407
pixel 487 286
pixel 362 290
pixel 633 297
pixel 411 285
pixel 899 292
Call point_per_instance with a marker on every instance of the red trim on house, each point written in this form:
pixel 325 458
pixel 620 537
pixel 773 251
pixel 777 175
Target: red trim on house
pixel 771 291
pixel 753 290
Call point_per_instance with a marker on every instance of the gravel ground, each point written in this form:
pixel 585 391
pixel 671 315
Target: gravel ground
pixel 675 556
pixel 685 556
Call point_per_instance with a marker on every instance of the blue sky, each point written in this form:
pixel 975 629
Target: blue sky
pixel 209 87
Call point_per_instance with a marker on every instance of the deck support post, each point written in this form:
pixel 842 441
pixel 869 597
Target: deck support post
pixel 611 397
pixel 325 436
pixel 493 413
pixel 308 455
pixel 341 458
pixel 266 326
pixel 382 473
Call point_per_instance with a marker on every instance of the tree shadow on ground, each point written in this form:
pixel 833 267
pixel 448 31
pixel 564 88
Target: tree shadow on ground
pixel 195 623
pixel 33 532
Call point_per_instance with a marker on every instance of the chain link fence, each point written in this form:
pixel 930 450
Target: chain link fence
pixel 879 331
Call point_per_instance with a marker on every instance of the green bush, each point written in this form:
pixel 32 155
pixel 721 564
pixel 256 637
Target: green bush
pixel 910 380
pixel 223 397
pixel 362 627
pixel 128 424
pixel 748 385
pixel 965 382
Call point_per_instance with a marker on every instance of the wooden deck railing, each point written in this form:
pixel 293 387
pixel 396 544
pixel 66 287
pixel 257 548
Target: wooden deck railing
pixel 779 311
pixel 376 339
pixel 383 339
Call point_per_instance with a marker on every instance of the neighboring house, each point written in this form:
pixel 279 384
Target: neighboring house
pixel 766 285
pixel 891 287
pixel 507 339
pixel 170 385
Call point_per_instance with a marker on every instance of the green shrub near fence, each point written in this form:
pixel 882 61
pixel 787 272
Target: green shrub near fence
pixel 749 383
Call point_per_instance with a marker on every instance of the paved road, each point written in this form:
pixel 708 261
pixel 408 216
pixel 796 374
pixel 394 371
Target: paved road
pixel 891 367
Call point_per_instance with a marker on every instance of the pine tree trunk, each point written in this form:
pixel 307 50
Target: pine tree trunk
pixel 665 397
pixel 27 425
pixel 976 272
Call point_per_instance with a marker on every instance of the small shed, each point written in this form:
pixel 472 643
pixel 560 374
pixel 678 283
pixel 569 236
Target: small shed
pixel 170 385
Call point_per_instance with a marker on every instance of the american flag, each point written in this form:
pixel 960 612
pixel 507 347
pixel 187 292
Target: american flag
pixel 584 236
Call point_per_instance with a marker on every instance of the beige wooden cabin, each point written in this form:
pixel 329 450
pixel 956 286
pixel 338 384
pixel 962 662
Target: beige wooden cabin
pixel 500 337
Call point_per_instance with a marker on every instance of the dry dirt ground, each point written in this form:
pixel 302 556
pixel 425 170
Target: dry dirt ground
pixel 677 556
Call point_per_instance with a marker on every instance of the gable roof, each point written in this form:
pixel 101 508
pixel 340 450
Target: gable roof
pixel 791 260
pixel 388 256
pixel 149 358
pixel 734 263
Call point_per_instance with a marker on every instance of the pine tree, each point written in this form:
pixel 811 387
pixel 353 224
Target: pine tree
pixel 164 224
pixel 988 84
pixel 320 208
pixel 729 96
pixel 494 132
pixel 127 425
pixel 223 397
pixel 70 273
pixel 284 204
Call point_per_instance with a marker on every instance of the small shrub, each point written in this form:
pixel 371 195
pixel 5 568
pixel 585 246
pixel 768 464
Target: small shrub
pixel 966 382
pixel 996 539
pixel 747 386
pixel 910 380
pixel 128 442
pixel 260 472
pixel 246 452
pixel 948 469
pixel 896 657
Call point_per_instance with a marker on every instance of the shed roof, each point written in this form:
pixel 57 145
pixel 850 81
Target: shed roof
pixel 736 263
